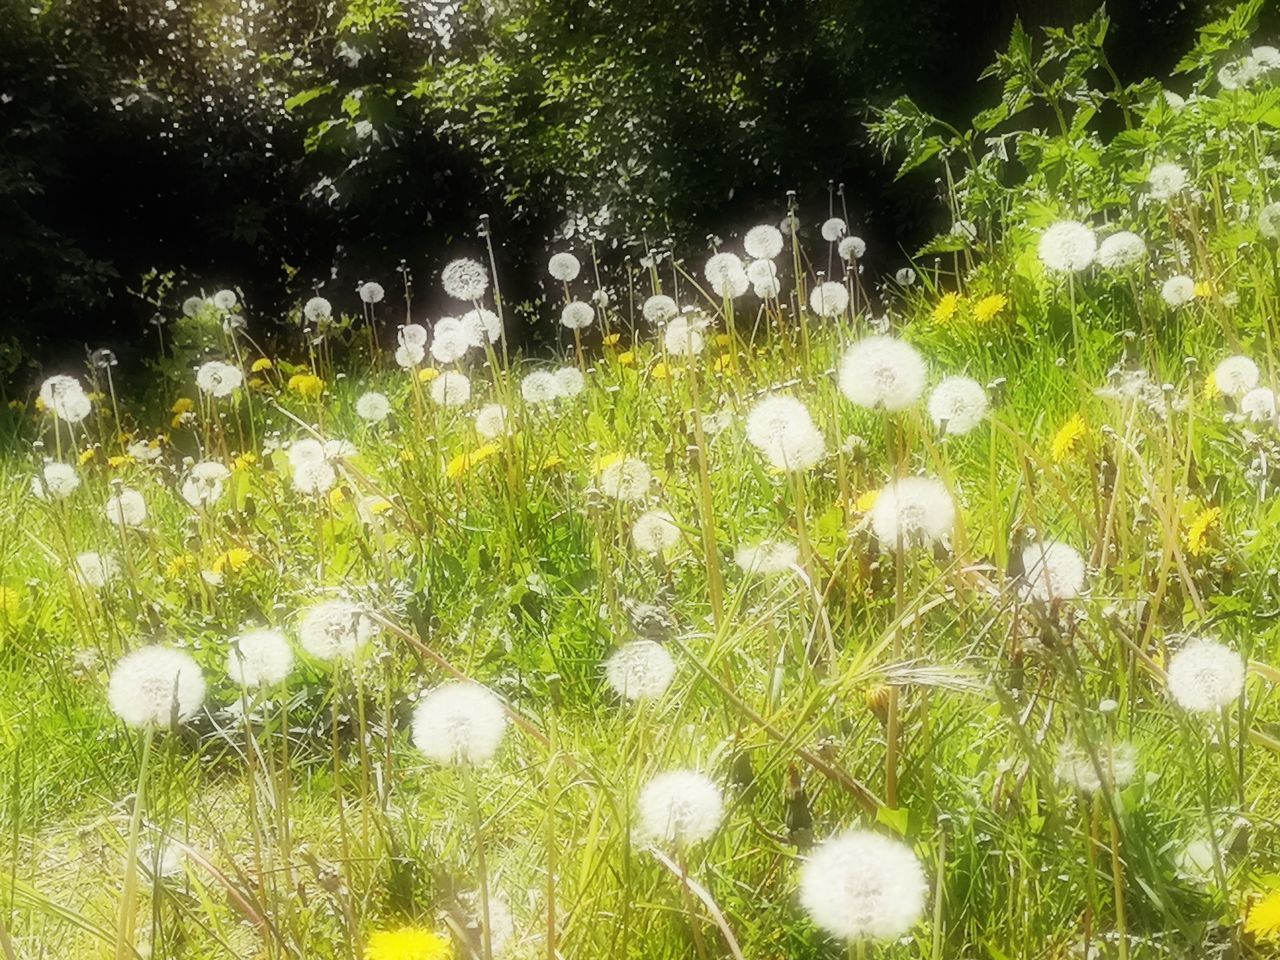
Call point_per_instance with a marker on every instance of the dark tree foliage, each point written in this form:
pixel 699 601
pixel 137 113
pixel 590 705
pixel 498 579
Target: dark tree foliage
pixel 288 146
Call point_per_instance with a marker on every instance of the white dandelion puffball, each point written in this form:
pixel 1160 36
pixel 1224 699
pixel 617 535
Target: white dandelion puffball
pixel 829 299
pixel 1053 571
pixel 539 388
pixel 459 723
pixel 1166 181
pixel 95 570
pixel 767 289
pixel 577 315
pixel 782 430
pixel 413 335
pixel 450 340
pixel 882 372
pixel 1067 247
pixel 1205 676
pixel 338 449
pixel 654 532
pixel 218 379
pixel 204 482
pixel 626 479
pixel 1122 250
pixel 65 398
pixel 863 884
pixel 1269 221
pixel 373 407
pixel 640 670
pixel 409 355
pixel 763 242
pixel 306 450
pixel 482 325
pixel 570 381
pixel 371 292
pixel 957 405
pixel 564 267
pixel 904 277
pixel 916 510
pixel 314 478
pixel 681 807
pixel 155 686
pixel 726 275
pixel 464 279
pixel 1266 58
pixel 334 630
pixel 491 421
pixel 56 480
pixel 683 337
pixel 260 658
pixel 767 558
pixel 659 308
pixel 966 230
pixel 451 389
pixel 127 508
pixel 317 310
pixel 1077 768
pixel 1178 291
pixel 191 306
pixel 1259 405
pixel 1235 376
pixel 225 300
pixel 851 248
pixel 762 271
pixel 833 229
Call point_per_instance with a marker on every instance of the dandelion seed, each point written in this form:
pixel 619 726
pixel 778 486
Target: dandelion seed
pixel 127 508
pixel 314 478
pixel 767 558
pixel 1053 571
pixel 218 379
pixel 763 242
pixel 491 421
pixel 577 315
pixel 727 276
pixel 1205 676
pixel 659 309
pixel 862 884
pixel 260 658
pixel 783 431
pixel 1076 767
pixel 918 511
pixel 570 381
pixel 680 807
pixel 155 686
pixel 464 279
pixel 1067 247
pixel 450 389
pixel 957 405
pixel 539 388
pixel 564 267
pixel 1235 376
pixel 95 570
pixel 654 532
pixel 1121 251
pixel 373 407
pixel 851 249
pixel 57 481
pixel 683 337
pixel 318 310
pixel 1166 181
pixel 833 229
pixel 371 292
pixel 450 340
pixel 829 299
pixel 1178 291
pixel 1259 405
pixel 459 723
pixel 65 398
pixel 626 479
pixel 639 670
pixel 203 484
pixel 882 372
pixel 482 325
pixel 334 630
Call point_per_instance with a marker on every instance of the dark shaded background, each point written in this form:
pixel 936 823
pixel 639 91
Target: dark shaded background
pixel 131 140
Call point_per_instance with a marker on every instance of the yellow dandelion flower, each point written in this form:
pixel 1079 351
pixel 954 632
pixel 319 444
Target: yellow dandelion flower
pixel 660 371
pixel 337 497
pixel 182 405
pixel 179 565
pixel 1264 917
pixel 17 404
pixel 989 307
pixel 40 405
pixel 946 308
pixel 262 363
pixel 96 396
pixel 1211 390
pixel 407 943
pixel 1204 288
pixel 626 359
pixel 723 362
pixel 88 455
pixel 550 462
pixel 244 461
pixel 1198 529
pixel 722 340
pixel 407 456
pixel 866 501
pixel 119 461
pixel 1068 437
pixel 233 560
pixel 10 603
pixel 463 462
pixel 427 374
pixel 611 340
pixel 306 385
pixel 378 506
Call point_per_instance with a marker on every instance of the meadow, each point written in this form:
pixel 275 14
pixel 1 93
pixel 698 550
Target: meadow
pixel 786 611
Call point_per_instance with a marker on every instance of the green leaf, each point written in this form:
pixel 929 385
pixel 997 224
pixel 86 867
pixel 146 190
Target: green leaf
pixel 895 818
pixel 305 97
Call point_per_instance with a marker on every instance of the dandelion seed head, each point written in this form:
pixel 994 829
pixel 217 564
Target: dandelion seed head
pixel 829 299
pixel 204 483
pixel 1067 247
pixel 127 508
pixel 659 309
pixel 564 267
pixel 639 670
pixel 917 510
pixel 763 242
pixel 153 686
pixel 314 478
pixel 957 405
pixel 882 372
pixel 680 807
pixel 655 531
pixel 726 275
pixel 57 481
pixel 450 340
pixel 781 428
pixel 413 335
pixel 851 248
pixel 491 421
pixel 761 271
pixel 482 325
pixel 863 884
pixel 317 310
pixel 334 630
pixel 191 306
pixel 371 292
pixel 1235 376
pixel 1178 291
pixel 218 379
pixel 683 337
pixel 260 658
pixel 409 355
pixel 1053 571
pixel 95 570
pixel 1122 250
pixel 459 723
pixel 65 397
pixel 373 407
pixel 833 229
pixel 1259 405
pixel 570 381
pixel 1205 676
pixel 577 315
pixel 1076 767
pixel 464 279
pixel 450 389
pixel 1269 221
pixel 1166 181
pixel 904 277
pixel 626 479
pixel 767 558
pixel 539 388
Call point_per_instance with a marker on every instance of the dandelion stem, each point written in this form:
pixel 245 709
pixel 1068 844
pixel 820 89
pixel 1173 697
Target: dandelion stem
pixel 477 827
pixel 125 945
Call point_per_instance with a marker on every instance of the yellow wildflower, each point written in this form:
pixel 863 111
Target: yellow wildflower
pixel 551 461
pixel 1211 390
pixel 986 309
pixel 660 371
pixel 723 340
pixel 96 396
pixel 407 943
pixel 866 501
pixel 88 455
pixel 1068 437
pixel 182 405
pixel 407 456
pixel 10 603
pixel 262 363
pixel 119 461
pixel 946 308
pixel 17 404
pixel 336 497
pixel 1204 288
pixel 722 362
pixel 626 359
pixel 40 405
pixel 427 374
pixel 1198 529
pixel 611 340
pixel 179 565
pixel 306 385
pixel 1264 917
pixel 244 461
pixel 463 462
pixel 233 561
